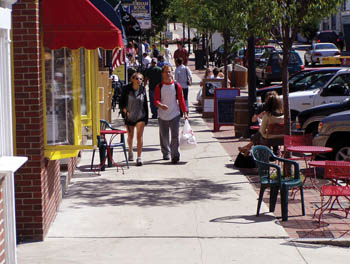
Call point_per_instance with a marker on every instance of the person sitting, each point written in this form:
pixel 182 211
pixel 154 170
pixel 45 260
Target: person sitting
pixel 273 115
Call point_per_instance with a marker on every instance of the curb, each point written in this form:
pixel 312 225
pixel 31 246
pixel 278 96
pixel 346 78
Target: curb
pixel 339 242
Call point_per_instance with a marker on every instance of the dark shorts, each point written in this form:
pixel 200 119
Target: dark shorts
pixel 129 123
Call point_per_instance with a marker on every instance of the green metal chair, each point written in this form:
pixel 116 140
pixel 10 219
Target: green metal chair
pixel 271 177
pixel 104 125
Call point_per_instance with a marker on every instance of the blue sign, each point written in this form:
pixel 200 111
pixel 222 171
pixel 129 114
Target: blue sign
pixel 141 10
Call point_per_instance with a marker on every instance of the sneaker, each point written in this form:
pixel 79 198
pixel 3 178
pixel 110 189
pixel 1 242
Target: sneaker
pixel 131 156
pixel 166 157
pixel 175 160
pixel 138 161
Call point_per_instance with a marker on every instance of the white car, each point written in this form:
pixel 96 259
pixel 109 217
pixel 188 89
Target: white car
pixel 337 89
pixel 320 50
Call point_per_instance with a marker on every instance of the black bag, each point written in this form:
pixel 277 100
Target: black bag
pixel 243 161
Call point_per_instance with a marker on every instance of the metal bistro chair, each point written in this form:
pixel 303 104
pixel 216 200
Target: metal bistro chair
pixel 262 155
pixel 334 171
pixel 104 125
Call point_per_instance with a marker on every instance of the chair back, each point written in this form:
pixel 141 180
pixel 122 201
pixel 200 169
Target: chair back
pixel 262 155
pixel 337 170
pixel 298 140
pixel 104 125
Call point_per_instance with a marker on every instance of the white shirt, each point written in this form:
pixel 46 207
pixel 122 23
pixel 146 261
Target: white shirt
pixel 146 61
pixel 181 74
pixel 168 97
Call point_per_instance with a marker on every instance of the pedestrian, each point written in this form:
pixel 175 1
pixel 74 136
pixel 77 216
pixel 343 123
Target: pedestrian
pixel 183 76
pixel 161 61
pixel 167 53
pixel 169 100
pixel 146 61
pixel 153 76
pixel 134 109
pixel 146 46
pixel 155 51
pixel 130 49
pixel 181 52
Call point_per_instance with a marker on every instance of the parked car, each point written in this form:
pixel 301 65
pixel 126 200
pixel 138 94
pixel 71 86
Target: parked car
pixel 306 79
pixel 260 50
pixel 269 67
pixel 320 50
pixel 308 120
pixel 337 89
pixel 333 131
pixel 329 36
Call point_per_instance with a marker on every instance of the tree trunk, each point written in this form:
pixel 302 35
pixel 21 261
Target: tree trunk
pixel 285 87
pixel 207 50
pixel 251 76
pixel 226 39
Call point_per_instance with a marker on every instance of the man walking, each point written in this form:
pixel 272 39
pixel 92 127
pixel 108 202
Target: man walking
pixel 169 99
pixel 181 52
pixel 183 76
pixel 154 76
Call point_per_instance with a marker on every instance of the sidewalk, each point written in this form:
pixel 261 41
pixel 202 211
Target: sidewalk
pixel 201 210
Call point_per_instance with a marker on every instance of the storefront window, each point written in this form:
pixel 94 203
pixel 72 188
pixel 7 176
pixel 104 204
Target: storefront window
pixel 59 100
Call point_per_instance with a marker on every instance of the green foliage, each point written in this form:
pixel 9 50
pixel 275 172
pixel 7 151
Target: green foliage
pixel 309 30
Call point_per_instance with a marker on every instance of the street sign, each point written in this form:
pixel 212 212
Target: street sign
pixel 141 10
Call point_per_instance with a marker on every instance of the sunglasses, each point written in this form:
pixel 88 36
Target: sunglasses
pixel 139 79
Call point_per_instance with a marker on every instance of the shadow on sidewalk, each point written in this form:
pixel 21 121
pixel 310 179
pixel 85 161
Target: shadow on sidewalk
pixel 248 219
pixel 168 192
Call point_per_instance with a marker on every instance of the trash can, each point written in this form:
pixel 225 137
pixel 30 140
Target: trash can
pixel 241 76
pixel 199 59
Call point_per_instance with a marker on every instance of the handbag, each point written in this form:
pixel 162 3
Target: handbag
pixel 243 161
pixel 188 79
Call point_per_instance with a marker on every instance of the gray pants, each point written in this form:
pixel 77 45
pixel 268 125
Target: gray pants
pixel 173 147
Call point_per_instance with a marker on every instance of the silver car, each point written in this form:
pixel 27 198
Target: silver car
pixel 318 51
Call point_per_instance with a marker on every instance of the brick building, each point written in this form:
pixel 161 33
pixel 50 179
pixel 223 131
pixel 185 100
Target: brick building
pixel 55 63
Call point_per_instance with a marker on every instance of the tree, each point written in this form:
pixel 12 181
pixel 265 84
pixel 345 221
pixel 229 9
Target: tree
pixel 291 16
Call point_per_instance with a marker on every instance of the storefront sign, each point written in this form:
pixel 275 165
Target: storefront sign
pixel 141 10
pixel 121 72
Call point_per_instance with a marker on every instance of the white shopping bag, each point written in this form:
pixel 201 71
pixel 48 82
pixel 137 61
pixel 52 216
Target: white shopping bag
pixel 187 138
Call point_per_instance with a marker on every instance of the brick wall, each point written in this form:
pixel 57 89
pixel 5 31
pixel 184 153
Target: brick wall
pixel 37 184
pixel 2 224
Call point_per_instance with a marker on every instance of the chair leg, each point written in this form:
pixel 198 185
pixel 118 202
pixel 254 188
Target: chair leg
pixel 92 160
pixel 122 140
pixel 273 197
pixel 284 203
pixel 302 200
pixel 261 194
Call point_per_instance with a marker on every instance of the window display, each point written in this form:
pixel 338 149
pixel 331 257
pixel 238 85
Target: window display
pixel 59 101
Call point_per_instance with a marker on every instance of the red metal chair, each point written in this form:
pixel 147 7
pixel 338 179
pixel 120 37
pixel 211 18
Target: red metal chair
pixel 335 171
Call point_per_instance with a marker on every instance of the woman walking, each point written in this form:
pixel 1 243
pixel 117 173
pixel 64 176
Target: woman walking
pixel 134 107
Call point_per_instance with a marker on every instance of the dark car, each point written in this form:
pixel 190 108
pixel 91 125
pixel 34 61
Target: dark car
pixel 334 132
pixel 308 120
pixel 269 68
pixel 306 79
pixel 327 36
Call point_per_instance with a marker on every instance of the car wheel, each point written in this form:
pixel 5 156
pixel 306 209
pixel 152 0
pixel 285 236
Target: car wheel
pixel 342 153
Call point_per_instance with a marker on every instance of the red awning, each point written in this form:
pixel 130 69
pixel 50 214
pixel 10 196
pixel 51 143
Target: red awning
pixel 77 23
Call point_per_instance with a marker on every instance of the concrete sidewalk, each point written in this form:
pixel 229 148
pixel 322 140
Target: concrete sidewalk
pixel 198 211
